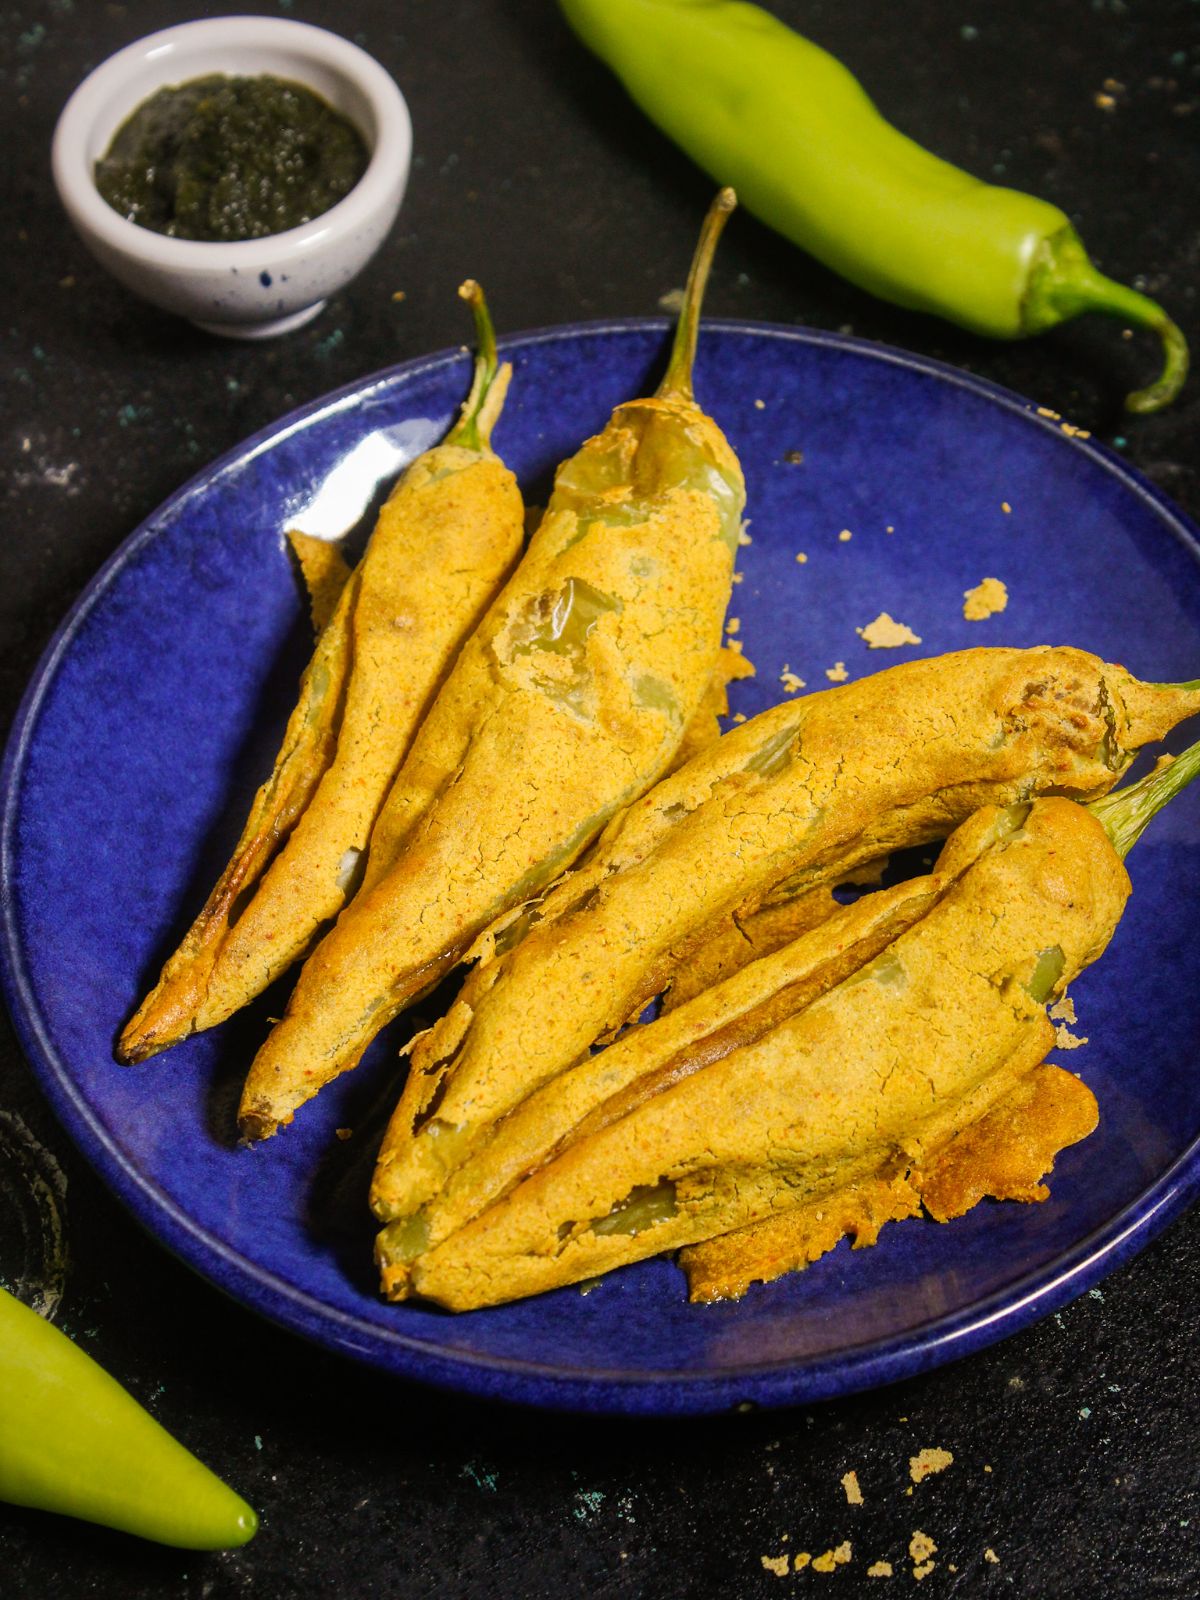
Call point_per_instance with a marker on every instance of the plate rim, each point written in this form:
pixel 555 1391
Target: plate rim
pixel 783 1381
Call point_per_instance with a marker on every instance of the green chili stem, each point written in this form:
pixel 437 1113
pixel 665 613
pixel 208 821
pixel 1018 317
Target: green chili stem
pixel 1064 283
pixel 1124 814
pixel 678 379
pixel 490 384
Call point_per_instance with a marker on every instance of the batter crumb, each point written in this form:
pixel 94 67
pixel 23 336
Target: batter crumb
pixel 801 557
pixel 739 716
pixel 776 1564
pixel 986 599
pixel 990 1555
pixel 348 1133
pixel 837 673
pixel 888 529
pixel 738 576
pixel 833 1558
pixel 789 680
pixel 845 536
pixel 926 1462
pixel 1074 433
pixel 733 625
pixel 853 1492
pixel 921 1550
pixel 744 538
pixel 1063 1010
pixel 760 405
pixel 886 634
pixel 801 1561
pixel 879 1569
pixel 1045 411
pixel 1006 508
pixel 1066 1040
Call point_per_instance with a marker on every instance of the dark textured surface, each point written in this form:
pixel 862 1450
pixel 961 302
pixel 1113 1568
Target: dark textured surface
pixel 534 174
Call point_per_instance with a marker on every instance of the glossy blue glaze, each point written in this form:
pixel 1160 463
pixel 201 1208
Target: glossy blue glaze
pixel 157 708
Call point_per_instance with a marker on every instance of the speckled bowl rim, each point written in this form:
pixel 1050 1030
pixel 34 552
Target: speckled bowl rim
pixel 753 1385
pixel 391 155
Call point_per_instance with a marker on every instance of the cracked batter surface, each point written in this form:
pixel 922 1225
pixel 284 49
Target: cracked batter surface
pixel 569 700
pixel 787 804
pixel 445 539
pixel 907 1049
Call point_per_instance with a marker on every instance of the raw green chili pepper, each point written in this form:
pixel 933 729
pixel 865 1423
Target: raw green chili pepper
pixel 763 109
pixel 72 1440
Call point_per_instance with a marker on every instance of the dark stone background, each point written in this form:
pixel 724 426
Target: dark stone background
pixel 533 172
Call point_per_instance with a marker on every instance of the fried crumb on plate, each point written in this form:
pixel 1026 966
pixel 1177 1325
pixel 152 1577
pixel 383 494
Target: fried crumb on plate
pixel 986 599
pixel 1066 1040
pixel 885 633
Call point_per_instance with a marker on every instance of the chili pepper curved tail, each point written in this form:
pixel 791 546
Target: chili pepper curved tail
pixel 1064 283
pixel 678 379
pixel 483 405
pixel 1125 813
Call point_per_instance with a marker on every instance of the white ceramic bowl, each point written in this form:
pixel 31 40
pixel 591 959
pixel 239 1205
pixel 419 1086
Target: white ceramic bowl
pixel 257 287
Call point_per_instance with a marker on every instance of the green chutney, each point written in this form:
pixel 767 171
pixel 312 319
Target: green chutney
pixel 223 159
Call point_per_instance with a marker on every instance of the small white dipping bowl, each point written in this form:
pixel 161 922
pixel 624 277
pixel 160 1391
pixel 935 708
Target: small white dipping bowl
pixel 255 288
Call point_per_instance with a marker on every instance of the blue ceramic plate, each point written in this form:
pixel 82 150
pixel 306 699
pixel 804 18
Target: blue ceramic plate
pixel 157 709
